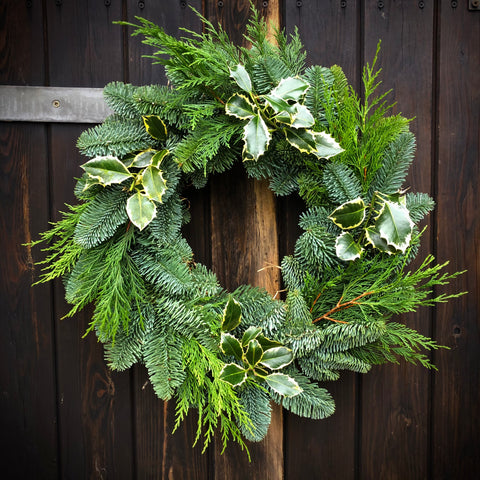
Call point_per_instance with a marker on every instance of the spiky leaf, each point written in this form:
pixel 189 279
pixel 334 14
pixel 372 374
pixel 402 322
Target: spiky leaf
pixel 233 374
pixel 395 225
pixel 292 88
pixel 155 127
pixel 250 334
pixel 106 170
pixel 232 315
pixel 349 215
pixel 283 384
pixel 241 77
pixel 240 106
pixel 143 159
pixel 231 346
pixel 256 138
pixel 277 357
pixel 154 183
pixel 254 353
pixel 141 210
pixel 346 247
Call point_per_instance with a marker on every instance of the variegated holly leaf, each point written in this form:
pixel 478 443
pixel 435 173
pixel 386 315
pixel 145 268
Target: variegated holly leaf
pixel 157 159
pixel 346 248
pixel 326 146
pixel 240 106
pixel 141 210
pixel 241 76
pixel 349 215
pixel 254 353
pixel 277 357
pixel 153 183
pixel 291 88
pixel 266 343
pixel 303 140
pixel 106 170
pixel 278 104
pixel 373 237
pixel 143 159
pixel 256 137
pixel 250 334
pixel 231 346
pixel 298 116
pixel 155 127
pixel 233 374
pixel 283 384
pixel 394 225
pixel 232 315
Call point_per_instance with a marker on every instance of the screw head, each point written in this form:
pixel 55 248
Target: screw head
pixel 56 103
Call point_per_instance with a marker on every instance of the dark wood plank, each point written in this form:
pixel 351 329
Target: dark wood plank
pixel 394 440
pixel 85 49
pixel 330 35
pixel 28 419
pixel 455 448
pixel 244 240
pixel 159 453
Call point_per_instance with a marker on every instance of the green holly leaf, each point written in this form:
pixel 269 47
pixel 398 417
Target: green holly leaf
pixel 277 357
pixel 241 76
pixel 349 215
pixel 141 210
pixel 254 353
pixel 302 117
pixel 153 183
pixel 283 384
pixel 394 225
pixel 326 146
pixel 106 170
pixel 279 104
pixel 232 315
pixel 231 346
pixel 250 334
pixel 240 106
pixel 346 248
pixel 233 374
pixel 373 237
pixel 291 88
pixel 155 127
pixel 256 137
pixel 143 159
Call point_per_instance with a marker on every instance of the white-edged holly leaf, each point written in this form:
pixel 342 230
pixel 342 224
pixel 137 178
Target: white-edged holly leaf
pixel 256 137
pixel 143 159
pixel 277 357
pixel 155 127
pixel 231 346
pixel 266 343
pixel 89 182
pixel 106 170
pixel 232 315
pixel 233 374
pixel 373 237
pixel 153 183
pixel 157 159
pixel 283 384
pixel 302 117
pixel 303 140
pixel 239 106
pixel 291 88
pixel 279 104
pixel 254 353
pixel 394 225
pixel 326 146
pixel 349 215
pixel 250 334
pixel 241 76
pixel 346 248
pixel 141 210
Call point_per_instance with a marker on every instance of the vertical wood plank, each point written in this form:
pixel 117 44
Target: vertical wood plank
pixel 394 440
pixel 28 429
pixel 85 49
pixel 324 448
pixel 455 449
pixel 244 240
pixel 159 454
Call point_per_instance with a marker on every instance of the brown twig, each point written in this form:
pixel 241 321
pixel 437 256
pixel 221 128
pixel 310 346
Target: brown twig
pixel 340 306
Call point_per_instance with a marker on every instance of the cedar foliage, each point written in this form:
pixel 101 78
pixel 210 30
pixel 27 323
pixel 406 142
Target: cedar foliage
pixel 154 305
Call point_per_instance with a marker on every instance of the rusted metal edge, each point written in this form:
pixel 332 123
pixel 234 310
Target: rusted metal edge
pixel 52 104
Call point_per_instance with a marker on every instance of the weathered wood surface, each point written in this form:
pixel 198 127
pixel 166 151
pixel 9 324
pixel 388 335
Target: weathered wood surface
pixel 65 415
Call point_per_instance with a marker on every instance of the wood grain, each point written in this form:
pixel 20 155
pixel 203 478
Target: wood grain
pixel 455 450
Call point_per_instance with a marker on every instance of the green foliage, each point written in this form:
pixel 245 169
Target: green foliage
pixel 226 355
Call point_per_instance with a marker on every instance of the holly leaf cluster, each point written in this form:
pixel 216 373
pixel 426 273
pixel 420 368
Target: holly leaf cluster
pixel 282 109
pixel 256 357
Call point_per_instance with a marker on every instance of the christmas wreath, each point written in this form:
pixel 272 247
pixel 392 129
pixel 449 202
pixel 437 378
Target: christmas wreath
pixel 228 355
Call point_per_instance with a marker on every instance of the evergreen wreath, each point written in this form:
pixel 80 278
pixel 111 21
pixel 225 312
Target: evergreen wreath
pixel 228 355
